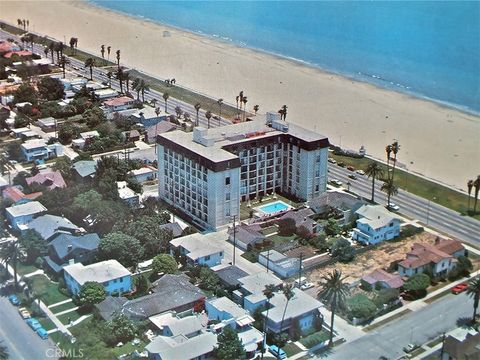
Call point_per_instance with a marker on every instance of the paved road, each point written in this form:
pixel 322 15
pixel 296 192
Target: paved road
pixel 428 212
pixel 21 341
pixel 417 327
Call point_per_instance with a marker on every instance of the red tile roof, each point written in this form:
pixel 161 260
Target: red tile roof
pixel 16 194
pixel 423 254
pixel 19 53
pixel 122 100
pixel 392 280
pixel 7 46
pixel 52 180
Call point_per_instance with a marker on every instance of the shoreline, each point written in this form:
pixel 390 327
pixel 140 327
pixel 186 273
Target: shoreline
pixel 436 140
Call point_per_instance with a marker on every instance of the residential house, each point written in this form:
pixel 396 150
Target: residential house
pixel 250 294
pixel 17 133
pixel 16 195
pixel 283 266
pixel 7 46
pixel 175 228
pixel 198 249
pixel 302 217
pixel 342 202
pixel 246 236
pixel 302 308
pixel 131 136
pixel 47 124
pixel 438 258
pixel 230 275
pixel 37 149
pixel 66 247
pixel 128 196
pixel 465 347
pixel 226 313
pixel 51 179
pixel 379 278
pixel 169 324
pixel 102 94
pixel 148 116
pixel 170 293
pixel 85 139
pixel 160 128
pixel 85 169
pixel 181 347
pixel 118 104
pixel 20 53
pixel 20 215
pixel 375 224
pixel 115 278
pixel 144 173
pixel 49 225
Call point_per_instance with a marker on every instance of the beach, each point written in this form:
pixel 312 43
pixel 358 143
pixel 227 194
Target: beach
pixel 438 142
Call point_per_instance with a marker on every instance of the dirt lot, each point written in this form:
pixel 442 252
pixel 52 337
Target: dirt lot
pixel 380 257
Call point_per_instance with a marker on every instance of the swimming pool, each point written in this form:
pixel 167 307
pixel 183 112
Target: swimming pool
pixel 274 207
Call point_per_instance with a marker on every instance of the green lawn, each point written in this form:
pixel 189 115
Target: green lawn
pixel 291 349
pixel 73 315
pixel 269 230
pixel 47 290
pixel 62 307
pixel 314 339
pixel 416 185
pixel 23 269
pixel 252 255
pixel 47 324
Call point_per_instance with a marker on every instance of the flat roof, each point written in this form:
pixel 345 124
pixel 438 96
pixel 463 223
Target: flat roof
pixel 29 208
pixel 300 304
pixel 34 144
pixel 182 348
pixel 198 245
pixel 256 283
pixel 224 304
pixel 100 272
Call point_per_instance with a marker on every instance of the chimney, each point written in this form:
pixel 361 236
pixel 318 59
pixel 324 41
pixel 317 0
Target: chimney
pixel 437 240
pixel 69 248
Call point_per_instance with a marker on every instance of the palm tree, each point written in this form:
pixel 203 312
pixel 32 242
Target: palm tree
pixel 126 78
pixel 154 102
pixel 390 188
pixel 220 103
pixel 90 63
pixel 119 75
pixel 288 293
pixel 51 47
pixel 284 112
pixel 244 101
pixel 333 293
pixel 11 252
pixel 73 44
pixel 19 22
pixel 28 24
pixel 395 150
pixel 255 108
pixel 165 97
pixel 375 171
pixel 178 111
pixel 45 50
pixel 197 107
pixel 24 25
pixel 476 185
pixel 237 99
pixel 63 61
pixel 469 187
pixel 136 87
pixel 474 291
pixel 118 58
pixel 143 87
pixel 269 292
pixel 208 115
pixel 388 150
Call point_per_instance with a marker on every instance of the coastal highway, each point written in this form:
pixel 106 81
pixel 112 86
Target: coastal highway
pixel 429 213
pixel 100 75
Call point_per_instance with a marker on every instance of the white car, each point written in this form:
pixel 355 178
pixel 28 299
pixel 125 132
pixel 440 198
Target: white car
pixel 360 172
pixel 336 182
pixel 306 286
pixel 332 161
pixel 393 207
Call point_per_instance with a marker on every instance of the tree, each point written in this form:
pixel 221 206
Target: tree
pixel 102 51
pixel 3 352
pixel 469 187
pixel 395 150
pixel 109 49
pixel 230 346
pixel 141 283
pixel 332 228
pixel 118 58
pixel 269 293
pixel 390 188
pixel 208 279
pixel 91 293
pixel 374 171
pixel 34 245
pixel 124 248
pixel 417 284
pixel 386 296
pixel 286 227
pixel 333 293
pixel 63 62
pixel 90 63
pixel 220 103
pixel 360 306
pixel 473 290
pixel 148 230
pixel 25 93
pixel 73 44
pixel 50 89
pixel 343 250
pixel 119 74
pixel 11 252
pixel 244 101
pixel 388 151
pixel 64 165
pixel 256 108
pixel 121 329
pixel 208 115
pixel 165 97
pixel 164 263
pixel 197 107
pixel 94 117
pixel 476 185
pixel 288 293
pixel 303 232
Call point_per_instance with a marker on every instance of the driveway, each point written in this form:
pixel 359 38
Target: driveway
pixel 21 341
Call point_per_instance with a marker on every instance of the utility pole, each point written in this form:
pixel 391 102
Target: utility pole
pixel 234 238
pixel 268 258
pixel 443 346
pixel 300 271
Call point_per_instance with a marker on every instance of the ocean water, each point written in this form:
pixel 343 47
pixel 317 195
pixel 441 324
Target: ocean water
pixel 430 49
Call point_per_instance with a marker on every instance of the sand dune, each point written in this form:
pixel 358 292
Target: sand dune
pixel 436 141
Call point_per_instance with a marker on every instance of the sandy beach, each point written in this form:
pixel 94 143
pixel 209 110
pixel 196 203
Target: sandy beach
pixel 436 141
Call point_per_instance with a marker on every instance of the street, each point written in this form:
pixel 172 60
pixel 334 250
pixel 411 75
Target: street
pixel 22 342
pixel 417 327
pixel 435 216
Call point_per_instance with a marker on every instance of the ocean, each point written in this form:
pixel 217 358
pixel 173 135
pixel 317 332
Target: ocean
pixel 430 49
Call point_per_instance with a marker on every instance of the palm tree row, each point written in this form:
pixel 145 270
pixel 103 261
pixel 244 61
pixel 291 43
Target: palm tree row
pixel 476 185
pixel 73 44
pixel 23 23
pixel 242 99
pixel 11 252
pixel 140 86
pixel 389 186
pixel 283 112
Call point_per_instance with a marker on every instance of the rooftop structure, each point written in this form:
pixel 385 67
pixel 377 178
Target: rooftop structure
pixel 85 168
pixel 246 236
pixel 280 264
pixel 52 180
pixel 383 279
pixel 15 194
pixel 225 165
pixel 29 208
pixel 171 325
pixel 375 224
pixel 199 249
pixel 160 128
pixel 98 272
pixel 230 275
pixel 49 225
pixel 256 283
pixel 182 348
pixel 126 194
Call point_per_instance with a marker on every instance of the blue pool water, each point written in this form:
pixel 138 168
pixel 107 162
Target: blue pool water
pixel 274 207
pixel 427 48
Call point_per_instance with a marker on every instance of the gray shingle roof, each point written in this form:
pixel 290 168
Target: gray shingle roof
pixel 335 199
pixel 230 275
pixel 111 305
pixel 173 227
pixel 48 225
pixel 85 168
pixel 62 241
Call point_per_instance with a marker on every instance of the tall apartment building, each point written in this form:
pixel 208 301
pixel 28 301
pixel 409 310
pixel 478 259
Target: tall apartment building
pixel 208 173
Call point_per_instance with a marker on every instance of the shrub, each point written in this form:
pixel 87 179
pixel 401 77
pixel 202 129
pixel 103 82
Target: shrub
pixel 386 296
pixel 286 227
pixel 360 306
pixel 343 250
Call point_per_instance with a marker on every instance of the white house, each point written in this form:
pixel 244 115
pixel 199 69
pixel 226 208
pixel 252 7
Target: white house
pixel 118 103
pixel 375 224
pixel 280 264
pixel 20 215
pixel 143 174
pixel 198 249
pixel 127 195
pixel 37 149
pixel 111 274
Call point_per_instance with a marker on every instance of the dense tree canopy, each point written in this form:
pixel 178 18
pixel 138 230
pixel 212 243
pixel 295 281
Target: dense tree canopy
pixel 230 346
pixel 25 93
pixel 91 293
pixel 124 248
pixel 34 245
pixel 50 89
pixel 164 263
pixel 360 306
pixel 343 250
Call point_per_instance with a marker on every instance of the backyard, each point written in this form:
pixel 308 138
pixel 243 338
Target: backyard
pixel 277 242
pixel 45 289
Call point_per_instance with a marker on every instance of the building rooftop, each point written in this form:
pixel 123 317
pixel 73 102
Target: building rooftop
pixel 118 101
pixel 48 225
pixel 34 144
pixel 392 280
pixel 89 134
pixel 256 283
pixel 335 199
pixel 85 168
pixel 246 234
pixel 198 245
pixel 100 272
pixel 124 191
pixel 182 348
pixel 15 194
pixel 143 171
pixel 300 304
pixel 66 243
pixel 227 306
pixel 376 216
pixel 230 275
pixel 49 121
pixel 180 326
pixel 50 179
pixel 147 112
pixel 175 228
pixel 29 208
pixel 423 253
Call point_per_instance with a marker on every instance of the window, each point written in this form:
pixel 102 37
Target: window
pixel 227 180
pixel 207 257
pixel 121 279
pixel 227 196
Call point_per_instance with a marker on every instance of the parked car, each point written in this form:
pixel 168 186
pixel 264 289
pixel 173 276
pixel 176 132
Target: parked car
pixel 24 313
pixel 332 161
pixel 14 300
pixel 457 289
pixel 393 207
pixel 341 164
pixel 336 182
pixel 277 352
pixel 360 172
pixel 42 333
pixel 33 323
pixel 410 347
pixel 352 176
pixel 350 168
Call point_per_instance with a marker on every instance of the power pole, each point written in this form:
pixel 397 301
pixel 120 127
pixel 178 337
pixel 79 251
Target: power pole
pixel 300 270
pixel 234 238
pixel 443 346
pixel 268 258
